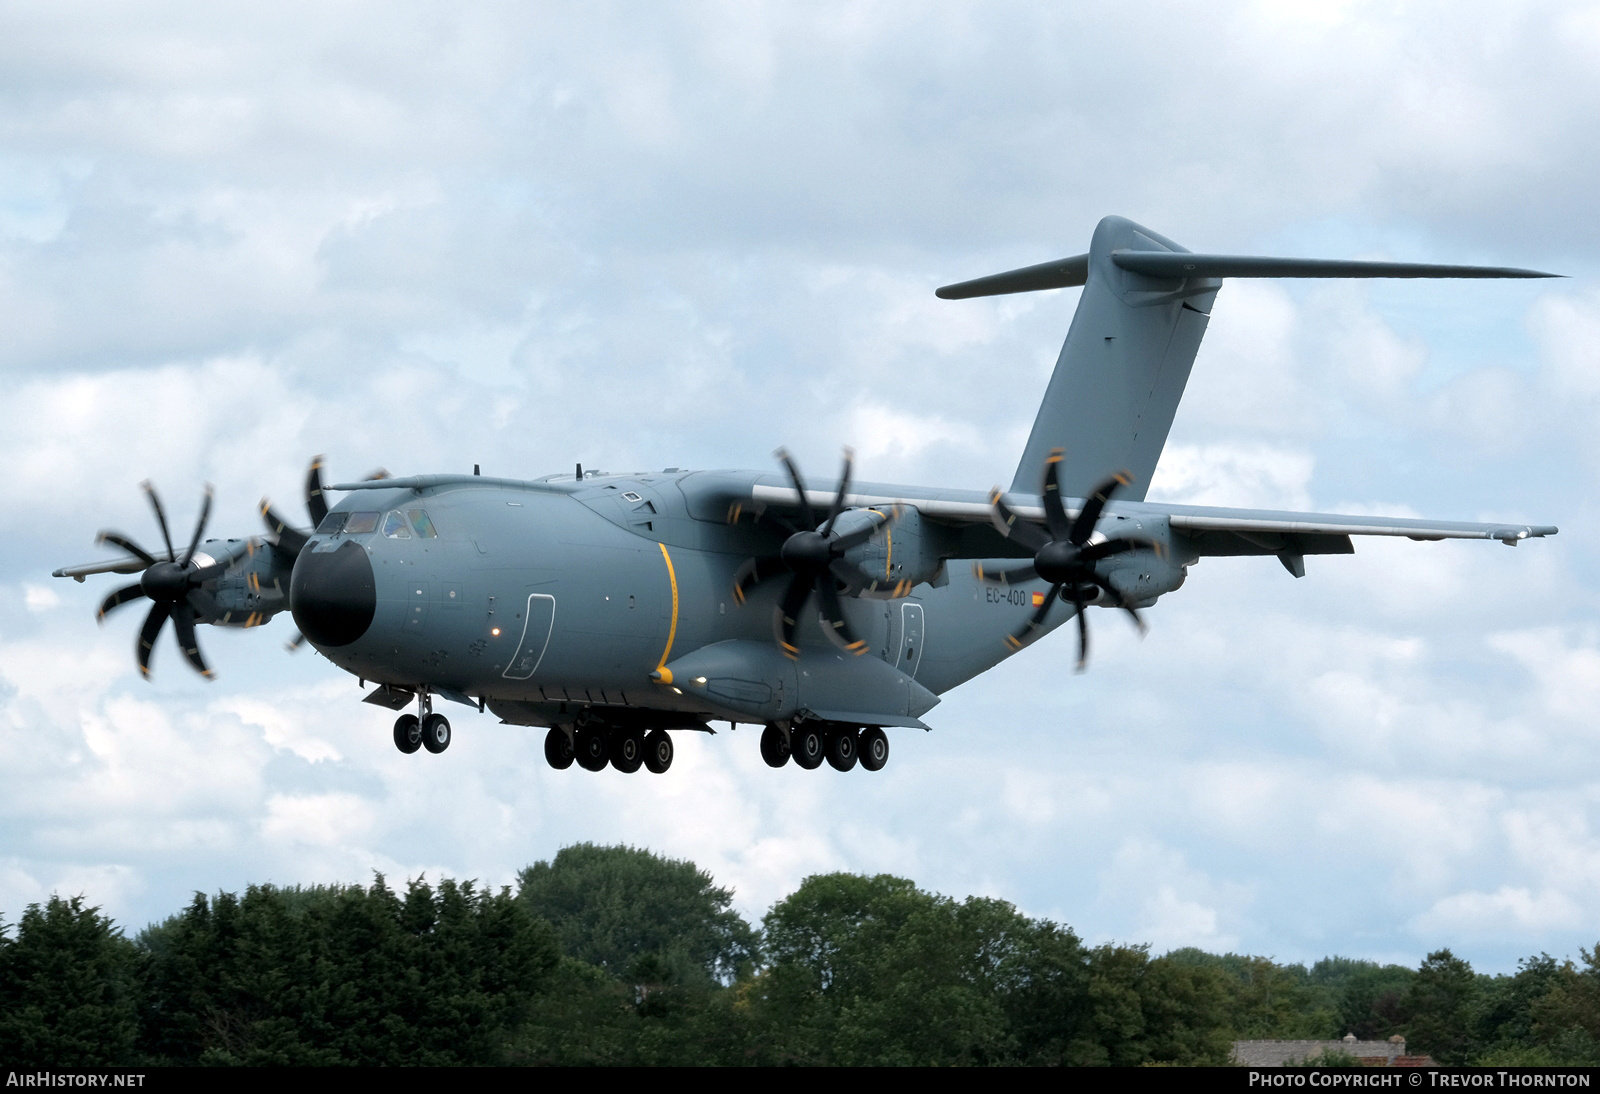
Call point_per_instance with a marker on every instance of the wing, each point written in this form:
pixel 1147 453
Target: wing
pixel 1207 531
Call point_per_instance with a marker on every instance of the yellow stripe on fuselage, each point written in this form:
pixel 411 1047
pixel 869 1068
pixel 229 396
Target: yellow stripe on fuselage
pixel 672 630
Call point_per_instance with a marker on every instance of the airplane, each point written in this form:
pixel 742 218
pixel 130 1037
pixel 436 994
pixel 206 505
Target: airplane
pixel 615 609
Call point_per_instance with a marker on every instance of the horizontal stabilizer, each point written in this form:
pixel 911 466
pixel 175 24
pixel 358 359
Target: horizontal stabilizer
pixel 1176 265
pixel 1064 273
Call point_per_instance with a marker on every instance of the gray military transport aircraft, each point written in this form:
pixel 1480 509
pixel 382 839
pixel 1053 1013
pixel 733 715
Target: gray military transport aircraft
pixel 616 608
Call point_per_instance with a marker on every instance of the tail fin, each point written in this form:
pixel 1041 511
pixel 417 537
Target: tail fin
pixel 1122 370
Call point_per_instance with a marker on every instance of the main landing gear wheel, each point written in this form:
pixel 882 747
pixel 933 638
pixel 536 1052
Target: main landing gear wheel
pixel 874 748
pixel 558 750
pixel 627 751
pixel 841 748
pixel 807 746
pixel 658 751
pixel 774 746
pixel 407 733
pixel 436 733
pixel 592 752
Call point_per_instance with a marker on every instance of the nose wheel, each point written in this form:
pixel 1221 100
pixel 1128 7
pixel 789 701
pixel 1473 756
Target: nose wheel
pixel 436 733
pixel 408 733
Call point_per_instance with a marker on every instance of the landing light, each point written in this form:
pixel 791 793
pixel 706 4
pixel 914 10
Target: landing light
pixel 495 631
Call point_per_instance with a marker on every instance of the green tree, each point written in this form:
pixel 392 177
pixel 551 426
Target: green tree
pixel 344 975
pixel 1439 1008
pixel 876 971
pixel 1504 1021
pixel 68 989
pixel 1566 1019
pixel 610 905
pixel 1366 996
pixel 1161 1011
pixel 1267 1000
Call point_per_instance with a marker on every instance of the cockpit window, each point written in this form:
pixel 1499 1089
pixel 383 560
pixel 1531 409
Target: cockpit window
pixel 360 523
pixel 332 524
pixel 394 526
pixel 424 526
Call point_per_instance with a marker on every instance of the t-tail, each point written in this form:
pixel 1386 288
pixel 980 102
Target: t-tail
pixel 1122 370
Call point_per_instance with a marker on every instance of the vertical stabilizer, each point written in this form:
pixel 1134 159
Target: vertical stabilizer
pixel 1122 369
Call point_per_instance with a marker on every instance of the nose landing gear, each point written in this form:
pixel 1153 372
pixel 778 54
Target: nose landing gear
pixel 430 731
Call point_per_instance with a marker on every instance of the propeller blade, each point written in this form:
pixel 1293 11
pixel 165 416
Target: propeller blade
pixel 799 485
pixel 117 599
pixel 1083 527
pixel 1014 576
pixel 117 539
pixel 1121 601
pixel 161 517
pixel 841 544
pixel 183 627
pixel 787 615
pixel 148 635
pixel 199 525
pixel 1083 631
pixel 1025 532
pixel 206 573
pixel 844 491
pixel 1022 637
pixel 1055 513
pixel 1097 551
pixel 753 573
pixel 315 503
pixel 295 643
pixel 837 627
pixel 290 538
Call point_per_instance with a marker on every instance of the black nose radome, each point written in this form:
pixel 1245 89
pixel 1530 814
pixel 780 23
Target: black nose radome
pixel 332 594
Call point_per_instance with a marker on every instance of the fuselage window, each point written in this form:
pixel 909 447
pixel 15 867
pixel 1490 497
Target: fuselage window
pixel 394 526
pixel 360 523
pixel 424 526
pixel 332 524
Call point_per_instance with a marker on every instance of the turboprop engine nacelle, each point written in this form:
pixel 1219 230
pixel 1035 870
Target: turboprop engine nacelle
pixel 1143 576
pixel 897 559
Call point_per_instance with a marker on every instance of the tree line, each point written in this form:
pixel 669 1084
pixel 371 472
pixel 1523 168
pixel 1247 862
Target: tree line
pixel 614 955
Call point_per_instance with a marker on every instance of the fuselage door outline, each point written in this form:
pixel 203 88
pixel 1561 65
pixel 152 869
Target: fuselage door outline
pixel 538 621
pixel 909 652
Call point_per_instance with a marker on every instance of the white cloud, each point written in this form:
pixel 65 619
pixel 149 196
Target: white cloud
pixel 1238 475
pixel 1505 909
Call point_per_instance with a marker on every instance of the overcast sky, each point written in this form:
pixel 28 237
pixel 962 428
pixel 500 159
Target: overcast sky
pixel 652 235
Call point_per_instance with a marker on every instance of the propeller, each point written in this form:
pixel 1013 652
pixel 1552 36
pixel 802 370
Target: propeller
pixel 1063 555
pixel 814 557
pixel 289 538
pixel 292 540
pixel 172 583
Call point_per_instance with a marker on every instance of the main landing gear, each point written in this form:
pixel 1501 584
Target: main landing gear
pixel 595 746
pixel 809 743
pixel 431 731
